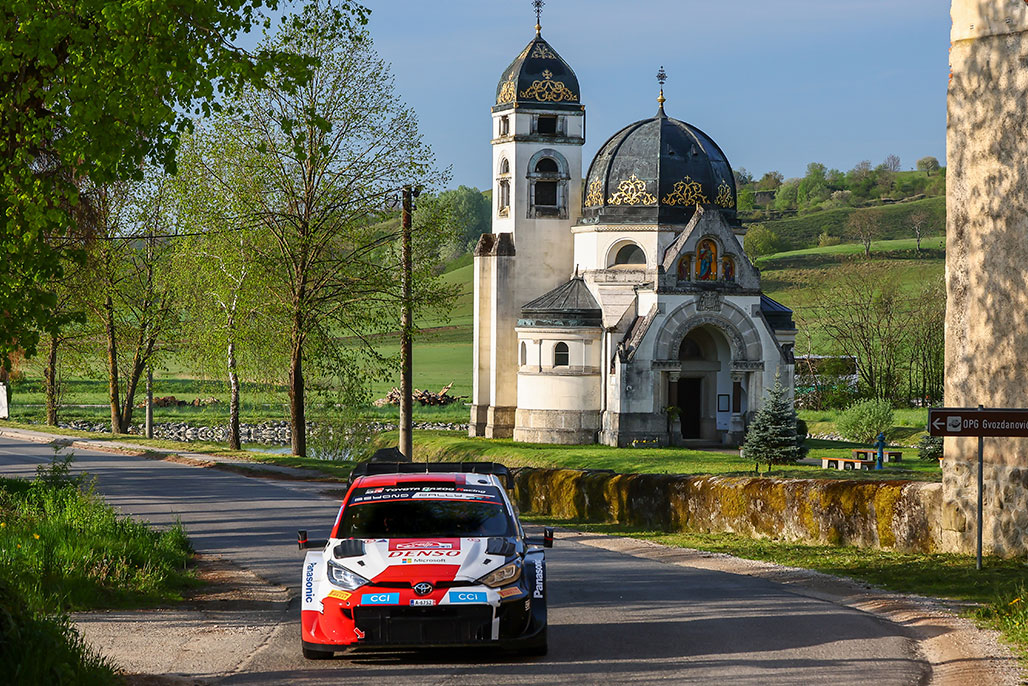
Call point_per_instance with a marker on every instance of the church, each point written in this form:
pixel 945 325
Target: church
pixel 615 306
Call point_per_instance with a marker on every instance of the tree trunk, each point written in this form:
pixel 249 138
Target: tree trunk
pixel 50 382
pixel 139 361
pixel 112 366
pixel 233 403
pixel 296 409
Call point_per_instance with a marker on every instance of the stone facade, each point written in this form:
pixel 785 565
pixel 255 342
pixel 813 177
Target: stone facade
pixel 986 254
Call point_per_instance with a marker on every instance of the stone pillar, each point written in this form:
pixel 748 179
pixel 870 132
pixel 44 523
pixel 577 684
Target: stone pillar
pixel 503 383
pixel 986 262
pixel 484 267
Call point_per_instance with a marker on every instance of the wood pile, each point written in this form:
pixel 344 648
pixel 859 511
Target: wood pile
pixel 421 397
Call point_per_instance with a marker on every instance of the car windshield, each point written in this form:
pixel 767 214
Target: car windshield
pixel 425 510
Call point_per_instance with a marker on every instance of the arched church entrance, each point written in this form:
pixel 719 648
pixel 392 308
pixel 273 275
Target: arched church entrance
pixel 703 390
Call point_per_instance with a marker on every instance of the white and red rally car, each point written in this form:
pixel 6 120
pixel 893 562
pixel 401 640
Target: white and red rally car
pixel 424 555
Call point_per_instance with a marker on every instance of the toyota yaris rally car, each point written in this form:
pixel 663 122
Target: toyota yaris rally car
pixel 424 555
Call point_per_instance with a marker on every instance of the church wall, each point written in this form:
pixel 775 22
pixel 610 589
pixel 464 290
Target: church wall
pixel 986 254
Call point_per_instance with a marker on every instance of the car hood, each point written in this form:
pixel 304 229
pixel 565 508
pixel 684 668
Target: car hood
pixel 422 559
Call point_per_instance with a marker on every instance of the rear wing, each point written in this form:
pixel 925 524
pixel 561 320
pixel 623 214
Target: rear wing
pixel 378 468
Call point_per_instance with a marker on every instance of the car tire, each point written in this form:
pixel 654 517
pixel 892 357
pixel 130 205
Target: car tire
pixel 316 654
pixel 539 646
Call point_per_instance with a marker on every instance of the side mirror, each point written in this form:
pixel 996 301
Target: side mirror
pixel 546 541
pixel 305 544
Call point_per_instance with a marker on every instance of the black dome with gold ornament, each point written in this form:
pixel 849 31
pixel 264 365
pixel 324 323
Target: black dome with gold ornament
pixel 657 171
pixel 538 77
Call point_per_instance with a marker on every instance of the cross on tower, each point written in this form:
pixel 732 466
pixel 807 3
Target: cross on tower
pixel 538 5
pixel 661 79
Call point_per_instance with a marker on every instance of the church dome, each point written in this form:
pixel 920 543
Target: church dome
pixel 538 77
pixel 657 171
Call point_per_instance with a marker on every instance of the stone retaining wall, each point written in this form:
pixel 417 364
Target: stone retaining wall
pixel 894 515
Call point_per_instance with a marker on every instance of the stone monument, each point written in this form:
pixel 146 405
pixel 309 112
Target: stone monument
pixel 987 267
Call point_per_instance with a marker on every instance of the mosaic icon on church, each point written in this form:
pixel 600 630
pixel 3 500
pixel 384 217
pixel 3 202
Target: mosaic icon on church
pixel 706 260
pixel 728 269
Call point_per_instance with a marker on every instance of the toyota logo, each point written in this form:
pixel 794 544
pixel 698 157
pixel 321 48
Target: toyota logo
pixel 424 588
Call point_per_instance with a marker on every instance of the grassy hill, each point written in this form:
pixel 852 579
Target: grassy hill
pixel 803 231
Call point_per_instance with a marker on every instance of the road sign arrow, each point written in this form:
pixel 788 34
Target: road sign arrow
pixel 938 424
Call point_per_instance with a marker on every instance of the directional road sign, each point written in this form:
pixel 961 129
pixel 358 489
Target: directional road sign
pixel 971 421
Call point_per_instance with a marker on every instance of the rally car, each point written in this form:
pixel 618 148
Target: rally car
pixel 424 555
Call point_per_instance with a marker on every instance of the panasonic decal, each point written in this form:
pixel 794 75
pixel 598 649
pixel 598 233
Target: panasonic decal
pixel 308 584
pixel 538 579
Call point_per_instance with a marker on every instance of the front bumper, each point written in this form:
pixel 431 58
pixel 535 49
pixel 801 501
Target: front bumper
pixel 343 625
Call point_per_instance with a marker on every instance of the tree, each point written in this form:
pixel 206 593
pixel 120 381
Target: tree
pixel 130 294
pixel 772 437
pixel 928 165
pixel 470 212
pixel 742 177
pixel 88 90
pixel 744 202
pixel 865 226
pixel 786 197
pixel 919 224
pixel 770 181
pixel 927 323
pixel 221 286
pixel 861 314
pixel 892 163
pixel 319 163
pixel 760 241
pixel 813 188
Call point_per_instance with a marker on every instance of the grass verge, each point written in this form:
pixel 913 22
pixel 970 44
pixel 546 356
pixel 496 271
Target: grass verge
pixel 61 549
pixel 998 590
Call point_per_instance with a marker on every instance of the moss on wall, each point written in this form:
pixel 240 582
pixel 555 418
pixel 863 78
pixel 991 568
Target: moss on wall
pixel 895 515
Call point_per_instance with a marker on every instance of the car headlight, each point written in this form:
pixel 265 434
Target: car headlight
pixel 343 578
pixel 506 574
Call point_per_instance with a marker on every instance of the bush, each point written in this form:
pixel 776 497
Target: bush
pixel 864 420
pixel 929 447
pixel 826 240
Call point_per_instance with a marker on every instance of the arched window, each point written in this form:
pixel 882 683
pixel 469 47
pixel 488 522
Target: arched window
pixel 630 254
pixel 505 125
pixel 503 189
pixel 524 354
pixel 561 357
pixel 548 183
pixel 546 166
pixel 689 350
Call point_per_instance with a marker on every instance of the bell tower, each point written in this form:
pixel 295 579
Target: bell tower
pixel 538 130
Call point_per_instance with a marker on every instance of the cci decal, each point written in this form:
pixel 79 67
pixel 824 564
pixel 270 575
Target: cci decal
pixel 422 602
pixel 308 583
pixel 467 597
pixel 509 591
pixel 381 599
pixel 341 595
pixel 538 579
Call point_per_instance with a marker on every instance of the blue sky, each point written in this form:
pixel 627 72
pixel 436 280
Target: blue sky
pixel 776 84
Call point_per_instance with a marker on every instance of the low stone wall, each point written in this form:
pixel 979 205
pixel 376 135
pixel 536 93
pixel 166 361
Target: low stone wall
pixel 894 515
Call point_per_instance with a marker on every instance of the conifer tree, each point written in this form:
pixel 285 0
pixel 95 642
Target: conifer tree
pixel 772 437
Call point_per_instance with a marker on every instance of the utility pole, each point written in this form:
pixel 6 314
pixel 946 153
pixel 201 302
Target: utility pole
pixel 149 401
pixel 406 325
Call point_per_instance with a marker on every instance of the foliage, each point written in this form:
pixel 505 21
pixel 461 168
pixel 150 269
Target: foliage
pixel 865 419
pixel 467 209
pixel 929 447
pixel 862 313
pixel 88 90
pixel 928 165
pixel 772 437
pixel 760 240
pixel 865 226
pixel 319 165
pixel 826 240
pixel 342 436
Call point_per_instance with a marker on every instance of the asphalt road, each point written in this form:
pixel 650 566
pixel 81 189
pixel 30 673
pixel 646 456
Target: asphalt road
pixel 614 619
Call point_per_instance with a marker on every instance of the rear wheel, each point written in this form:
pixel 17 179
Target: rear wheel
pixel 316 654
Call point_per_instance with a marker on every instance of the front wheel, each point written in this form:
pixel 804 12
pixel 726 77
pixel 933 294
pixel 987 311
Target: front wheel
pixel 539 646
pixel 316 654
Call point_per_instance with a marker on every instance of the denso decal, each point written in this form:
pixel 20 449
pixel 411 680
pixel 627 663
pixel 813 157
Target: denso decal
pixel 381 599
pixel 424 553
pixel 467 597
pixel 538 579
pixel 425 545
pixel 308 583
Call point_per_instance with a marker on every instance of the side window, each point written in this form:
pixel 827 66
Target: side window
pixel 524 354
pixel 548 179
pixel 630 254
pixel 505 125
pixel 561 357
pixel 546 125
